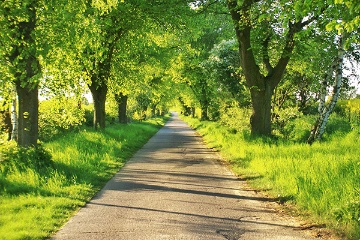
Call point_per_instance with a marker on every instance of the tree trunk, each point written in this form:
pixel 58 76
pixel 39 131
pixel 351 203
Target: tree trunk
pixel 204 104
pixel 14 119
pixel 204 99
pixel 28 115
pixel 98 92
pixel 121 100
pixel 186 109
pixel 261 116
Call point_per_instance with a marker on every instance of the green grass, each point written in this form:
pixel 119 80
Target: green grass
pixel 322 180
pixel 39 194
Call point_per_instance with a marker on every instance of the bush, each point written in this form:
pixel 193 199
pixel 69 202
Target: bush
pixel 237 119
pixel 341 108
pixel 59 114
pixel 353 110
pixel 298 129
pixel 282 118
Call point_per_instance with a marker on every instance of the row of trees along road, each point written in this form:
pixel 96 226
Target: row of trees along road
pixel 208 54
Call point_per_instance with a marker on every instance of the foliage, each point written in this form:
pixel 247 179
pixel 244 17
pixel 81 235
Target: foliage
pixel 39 193
pixel 298 129
pixel 282 119
pixel 353 110
pixel 235 118
pixel 223 66
pixel 349 110
pixel 59 114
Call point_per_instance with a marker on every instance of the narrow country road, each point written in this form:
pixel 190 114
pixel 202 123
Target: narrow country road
pixel 175 188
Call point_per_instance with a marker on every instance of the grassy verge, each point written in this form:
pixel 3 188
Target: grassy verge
pixel 322 180
pixel 38 194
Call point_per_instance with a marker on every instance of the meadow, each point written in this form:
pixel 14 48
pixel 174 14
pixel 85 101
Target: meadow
pixel 40 189
pixel 320 182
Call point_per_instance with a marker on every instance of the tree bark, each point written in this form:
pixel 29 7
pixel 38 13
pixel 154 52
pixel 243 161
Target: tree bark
pixel 121 100
pixel 28 115
pixel 203 96
pixel 98 92
pixel 14 119
pixel 204 105
pixel 260 119
pixel 99 77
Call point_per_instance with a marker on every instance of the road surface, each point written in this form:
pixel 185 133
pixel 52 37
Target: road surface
pixel 176 188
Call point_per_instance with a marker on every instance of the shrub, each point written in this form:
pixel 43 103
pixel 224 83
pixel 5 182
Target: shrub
pixel 341 108
pixel 282 118
pixel 298 129
pixel 59 114
pixel 353 110
pixel 237 119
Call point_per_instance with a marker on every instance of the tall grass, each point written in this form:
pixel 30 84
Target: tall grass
pixel 322 180
pixel 39 193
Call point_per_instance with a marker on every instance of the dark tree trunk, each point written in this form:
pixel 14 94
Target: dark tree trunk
pixel 121 100
pixel 153 109
pixel 98 93
pixel 204 99
pixel 28 116
pixel 303 99
pixel 204 110
pixel 261 116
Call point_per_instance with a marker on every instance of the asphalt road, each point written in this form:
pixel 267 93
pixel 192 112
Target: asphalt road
pixel 176 188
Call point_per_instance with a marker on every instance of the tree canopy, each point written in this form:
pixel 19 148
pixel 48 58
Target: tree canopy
pixel 263 55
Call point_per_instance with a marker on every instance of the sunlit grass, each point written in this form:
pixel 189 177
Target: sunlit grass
pixel 36 201
pixel 322 180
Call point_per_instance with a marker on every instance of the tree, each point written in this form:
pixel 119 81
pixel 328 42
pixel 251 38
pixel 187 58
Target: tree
pixel 342 21
pixel 266 32
pixel 196 70
pixel 103 25
pixel 97 55
pixel 19 22
pixel 326 109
